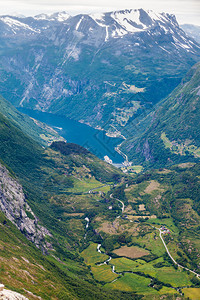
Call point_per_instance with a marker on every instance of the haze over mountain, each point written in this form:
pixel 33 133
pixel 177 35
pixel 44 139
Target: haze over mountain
pixel 192 30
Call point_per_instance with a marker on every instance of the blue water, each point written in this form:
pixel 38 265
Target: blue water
pixel 74 132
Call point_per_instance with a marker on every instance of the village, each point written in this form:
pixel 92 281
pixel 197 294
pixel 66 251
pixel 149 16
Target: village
pixel 164 230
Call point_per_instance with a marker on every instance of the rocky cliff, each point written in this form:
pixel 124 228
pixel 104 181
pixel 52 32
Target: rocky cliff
pixel 14 205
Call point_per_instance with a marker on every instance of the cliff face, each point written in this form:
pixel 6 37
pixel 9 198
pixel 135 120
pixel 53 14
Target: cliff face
pixel 13 204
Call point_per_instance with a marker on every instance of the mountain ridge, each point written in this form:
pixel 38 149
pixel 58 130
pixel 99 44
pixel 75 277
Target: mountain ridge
pixel 122 68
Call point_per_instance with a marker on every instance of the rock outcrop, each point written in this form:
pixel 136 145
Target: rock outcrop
pixel 14 205
pixel 10 295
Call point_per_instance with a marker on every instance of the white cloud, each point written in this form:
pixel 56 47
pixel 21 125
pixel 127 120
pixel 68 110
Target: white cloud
pixel 187 11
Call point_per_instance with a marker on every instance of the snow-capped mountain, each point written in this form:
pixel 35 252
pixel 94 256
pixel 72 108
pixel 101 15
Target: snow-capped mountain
pixel 93 67
pixel 131 21
pixel 13 25
pixel 29 26
pixel 98 28
pixel 60 16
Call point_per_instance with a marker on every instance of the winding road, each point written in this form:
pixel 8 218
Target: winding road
pixel 123 206
pixel 198 275
pixel 160 234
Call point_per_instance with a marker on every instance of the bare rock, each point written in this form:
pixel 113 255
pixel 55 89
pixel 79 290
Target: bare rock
pixel 13 204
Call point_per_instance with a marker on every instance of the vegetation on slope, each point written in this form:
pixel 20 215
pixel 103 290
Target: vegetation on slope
pixel 38 131
pixel 24 269
pixel 76 196
pixel 46 176
pixel 172 133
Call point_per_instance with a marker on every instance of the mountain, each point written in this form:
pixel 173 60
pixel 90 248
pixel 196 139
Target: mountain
pixel 171 132
pixel 59 17
pixel 192 30
pixel 26 270
pixel 73 226
pixel 127 61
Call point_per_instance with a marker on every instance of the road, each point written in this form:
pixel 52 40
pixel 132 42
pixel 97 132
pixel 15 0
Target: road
pixel 198 275
pixel 123 206
pixel 160 234
pixel 121 153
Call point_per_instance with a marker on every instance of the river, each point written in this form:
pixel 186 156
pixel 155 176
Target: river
pixel 94 140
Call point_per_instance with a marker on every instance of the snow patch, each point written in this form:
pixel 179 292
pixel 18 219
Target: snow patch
pixel 78 24
pixel 7 294
pixel 17 25
pixel 164 49
pixel 107 34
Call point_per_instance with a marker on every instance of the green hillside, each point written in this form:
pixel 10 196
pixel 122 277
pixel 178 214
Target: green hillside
pixel 171 133
pixel 164 197
pixel 38 131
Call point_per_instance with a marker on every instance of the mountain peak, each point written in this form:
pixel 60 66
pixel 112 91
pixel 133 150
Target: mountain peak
pixel 133 20
pixel 58 16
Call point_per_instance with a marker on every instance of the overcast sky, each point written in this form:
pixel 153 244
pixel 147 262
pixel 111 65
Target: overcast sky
pixel 186 11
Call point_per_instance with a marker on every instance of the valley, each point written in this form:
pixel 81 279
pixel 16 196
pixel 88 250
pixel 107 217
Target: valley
pixel 99 157
pixel 91 204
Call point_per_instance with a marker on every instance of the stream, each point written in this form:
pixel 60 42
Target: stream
pixel 86 226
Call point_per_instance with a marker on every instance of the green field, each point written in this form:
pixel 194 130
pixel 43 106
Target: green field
pixel 152 242
pixel 125 264
pixel 168 275
pixel 83 185
pixel 103 273
pixel 92 256
pixel 132 282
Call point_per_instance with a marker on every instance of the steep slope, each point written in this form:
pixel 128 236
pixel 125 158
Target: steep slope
pixel 14 205
pixel 126 60
pixel 172 131
pixel 52 173
pixel 38 131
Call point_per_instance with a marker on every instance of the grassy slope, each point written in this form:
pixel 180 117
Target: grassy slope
pixel 172 133
pixel 36 130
